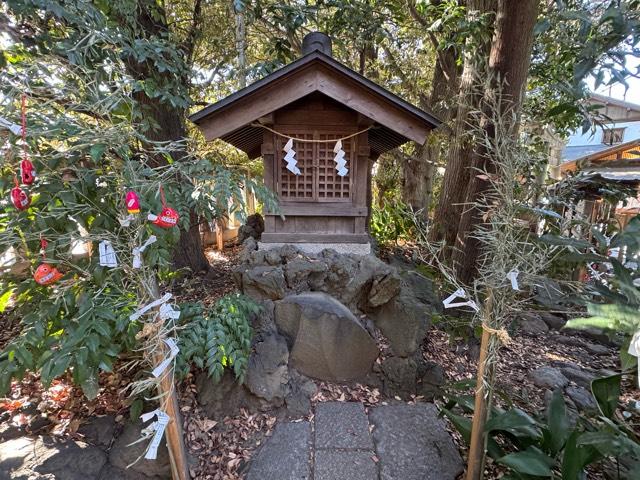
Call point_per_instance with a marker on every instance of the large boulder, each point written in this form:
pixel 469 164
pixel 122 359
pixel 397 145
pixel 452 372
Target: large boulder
pixel 327 341
pixel 252 228
pixel 126 455
pixel 405 319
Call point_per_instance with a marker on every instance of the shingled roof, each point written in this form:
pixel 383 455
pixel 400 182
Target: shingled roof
pixel 233 118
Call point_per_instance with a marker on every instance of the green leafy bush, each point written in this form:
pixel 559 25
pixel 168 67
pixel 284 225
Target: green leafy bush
pixel 552 445
pixel 392 222
pixel 218 339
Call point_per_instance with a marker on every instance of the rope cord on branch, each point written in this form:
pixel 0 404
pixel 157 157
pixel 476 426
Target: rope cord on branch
pixel 501 333
pixel 311 140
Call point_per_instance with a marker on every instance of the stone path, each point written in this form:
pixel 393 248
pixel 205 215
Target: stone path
pixel 392 442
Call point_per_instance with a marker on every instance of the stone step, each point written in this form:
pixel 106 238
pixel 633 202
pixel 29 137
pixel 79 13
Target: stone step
pixel 285 455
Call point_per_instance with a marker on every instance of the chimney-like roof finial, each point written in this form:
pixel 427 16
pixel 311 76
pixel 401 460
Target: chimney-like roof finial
pixel 316 41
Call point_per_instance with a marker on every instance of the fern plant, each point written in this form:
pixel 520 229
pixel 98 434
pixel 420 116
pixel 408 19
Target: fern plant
pixel 218 339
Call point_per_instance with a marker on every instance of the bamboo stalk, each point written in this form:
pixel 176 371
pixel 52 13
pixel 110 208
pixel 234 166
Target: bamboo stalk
pixel 173 432
pixel 169 405
pixel 478 440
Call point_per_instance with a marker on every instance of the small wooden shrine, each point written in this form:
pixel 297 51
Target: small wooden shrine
pixel 318 126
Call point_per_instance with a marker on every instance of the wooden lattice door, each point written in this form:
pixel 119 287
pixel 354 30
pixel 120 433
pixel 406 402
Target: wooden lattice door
pixel 318 180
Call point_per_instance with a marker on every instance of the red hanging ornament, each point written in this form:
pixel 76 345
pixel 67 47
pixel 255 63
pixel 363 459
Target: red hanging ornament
pixel 46 274
pixel 168 217
pixel 27 172
pixel 133 202
pixel 20 199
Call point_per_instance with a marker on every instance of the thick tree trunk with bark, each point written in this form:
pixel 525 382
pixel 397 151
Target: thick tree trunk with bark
pixel 508 66
pixel 417 174
pixel 456 177
pixel 169 120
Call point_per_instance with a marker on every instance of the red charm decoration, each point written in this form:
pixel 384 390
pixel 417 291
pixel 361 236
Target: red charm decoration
pixel 168 217
pixel 27 172
pixel 19 198
pixel 133 202
pixel 47 274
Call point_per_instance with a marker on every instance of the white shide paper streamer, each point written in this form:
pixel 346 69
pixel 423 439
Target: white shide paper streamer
pixel 447 302
pixel 339 159
pixel 168 311
pixel 290 158
pixel 634 349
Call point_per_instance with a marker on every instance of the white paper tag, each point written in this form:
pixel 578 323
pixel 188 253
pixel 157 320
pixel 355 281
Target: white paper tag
pixel 159 426
pixel 151 217
pixel 634 350
pixel 343 171
pixel 513 277
pixel 173 351
pixel 168 311
pixel 13 127
pixel 107 254
pixel 138 313
pixel 137 252
pixel 288 146
pixel 448 302
pixel 337 147
pixel 126 221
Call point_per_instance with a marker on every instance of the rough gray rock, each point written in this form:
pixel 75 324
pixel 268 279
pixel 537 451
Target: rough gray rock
pixel 532 324
pixel 267 372
pixel 548 377
pixel 109 472
pixel 383 289
pixel 578 375
pixel 46 457
pixel 413 444
pixel 341 465
pixel 328 342
pixel 549 294
pixel 342 425
pixel 252 228
pixel 582 398
pixel 123 454
pixel 99 431
pixel 555 322
pixel 430 378
pixel 264 282
pixel 304 273
pixel 405 319
pixel 284 456
pixel 400 376
pixel 301 389
pixel 596 349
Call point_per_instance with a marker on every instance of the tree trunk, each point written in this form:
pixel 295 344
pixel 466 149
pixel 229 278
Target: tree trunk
pixel 508 69
pixel 417 175
pixel 456 177
pixel 170 124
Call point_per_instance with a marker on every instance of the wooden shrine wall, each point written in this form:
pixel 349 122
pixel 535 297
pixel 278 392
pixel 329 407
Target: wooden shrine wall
pixel 319 206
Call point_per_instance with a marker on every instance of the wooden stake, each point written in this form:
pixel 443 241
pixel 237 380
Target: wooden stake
pixel 478 440
pixel 219 235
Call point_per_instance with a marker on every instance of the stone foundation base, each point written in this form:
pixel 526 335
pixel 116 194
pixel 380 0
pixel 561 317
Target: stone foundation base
pixel 315 248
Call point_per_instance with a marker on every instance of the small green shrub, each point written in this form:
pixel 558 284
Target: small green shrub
pixel 551 445
pixel 218 339
pixel 392 222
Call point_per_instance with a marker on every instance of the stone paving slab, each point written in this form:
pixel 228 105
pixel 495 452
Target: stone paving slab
pixel 342 425
pixel 285 455
pixel 343 465
pixel 413 444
